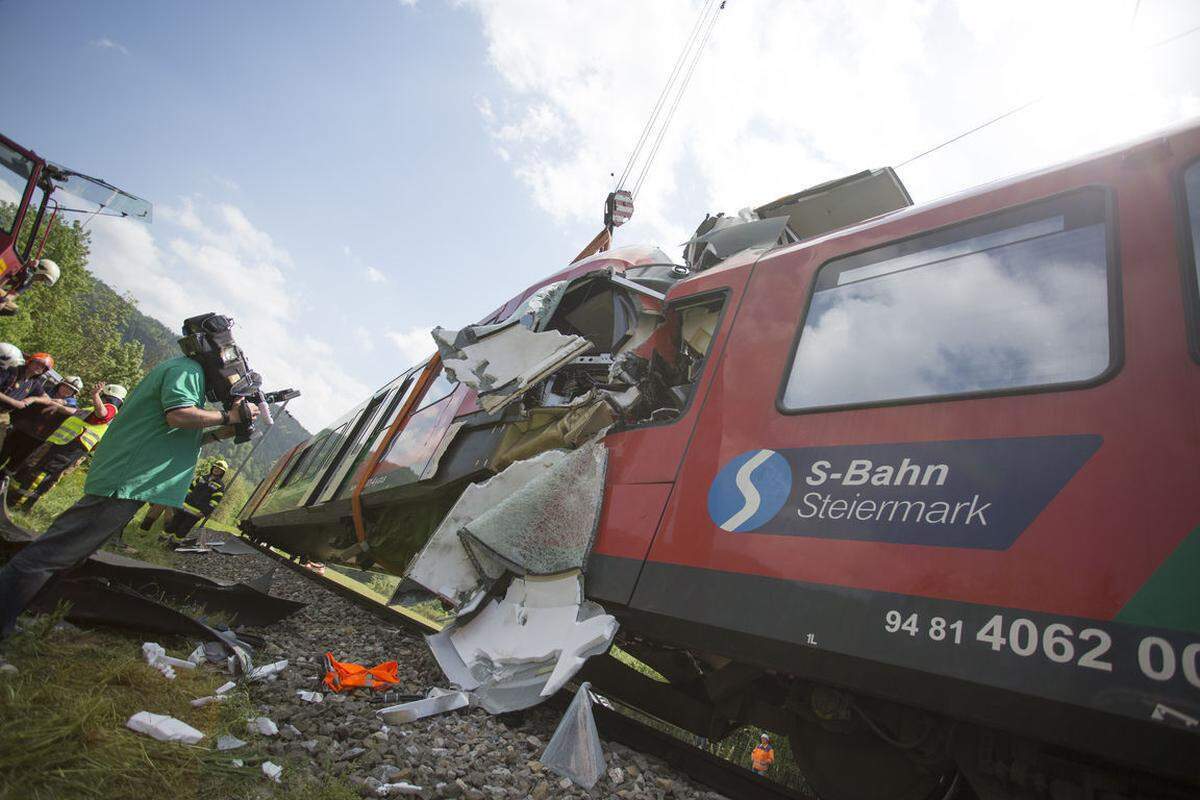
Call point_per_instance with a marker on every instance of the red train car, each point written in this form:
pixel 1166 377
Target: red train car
pixel 921 493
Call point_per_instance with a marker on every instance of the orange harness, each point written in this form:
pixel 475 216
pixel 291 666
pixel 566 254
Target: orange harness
pixel 341 676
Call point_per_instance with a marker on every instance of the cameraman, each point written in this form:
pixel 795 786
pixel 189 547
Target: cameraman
pixel 148 455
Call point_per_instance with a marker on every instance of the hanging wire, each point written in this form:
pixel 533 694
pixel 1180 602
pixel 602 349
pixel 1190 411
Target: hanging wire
pixel 1034 101
pixel 662 96
pixel 696 53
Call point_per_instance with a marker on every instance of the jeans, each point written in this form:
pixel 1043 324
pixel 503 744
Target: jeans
pixel 77 533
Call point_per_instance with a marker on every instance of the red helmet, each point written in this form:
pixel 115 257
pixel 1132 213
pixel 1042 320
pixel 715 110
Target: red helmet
pixel 45 358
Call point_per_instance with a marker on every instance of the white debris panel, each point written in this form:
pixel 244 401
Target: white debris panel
pixel 502 365
pixel 517 651
pixel 163 728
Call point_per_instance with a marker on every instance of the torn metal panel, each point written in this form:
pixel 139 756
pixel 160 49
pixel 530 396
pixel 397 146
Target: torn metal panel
pixel 516 651
pixel 727 236
pixel 443 566
pixel 502 365
pixel 245 604
pixel 553 428
pixel 548 525
pixel 96 601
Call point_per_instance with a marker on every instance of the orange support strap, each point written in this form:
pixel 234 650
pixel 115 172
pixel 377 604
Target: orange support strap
pixel 342 676
pixel 423 380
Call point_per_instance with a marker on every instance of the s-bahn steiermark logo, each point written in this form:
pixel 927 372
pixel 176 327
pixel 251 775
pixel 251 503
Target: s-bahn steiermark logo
pixel 977 493
pixel 750 490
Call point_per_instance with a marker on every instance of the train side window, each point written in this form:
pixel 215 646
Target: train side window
pixel 1018 300
pixel 1191 196
pixel 300 461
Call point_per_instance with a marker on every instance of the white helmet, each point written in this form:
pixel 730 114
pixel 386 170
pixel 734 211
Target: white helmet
pixel 74 380
pixel 115 390
pixel 47 270
pixel 10 355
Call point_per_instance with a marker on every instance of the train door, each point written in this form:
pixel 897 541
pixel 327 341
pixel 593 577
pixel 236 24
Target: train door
pixel 936 438
pixel 645 458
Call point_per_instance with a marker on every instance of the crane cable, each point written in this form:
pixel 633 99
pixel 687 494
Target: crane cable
pixel 1034 101
pixel 679 96
pixel 672 92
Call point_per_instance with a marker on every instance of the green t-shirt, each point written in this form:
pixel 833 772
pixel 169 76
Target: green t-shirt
pixel 140 456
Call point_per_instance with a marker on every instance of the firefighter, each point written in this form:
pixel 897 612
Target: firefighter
pixel 763 756
pixel 35 422
pixel 45 271
pixel 202 500
pixel 146 456
pixel 19 389
pixel 67 446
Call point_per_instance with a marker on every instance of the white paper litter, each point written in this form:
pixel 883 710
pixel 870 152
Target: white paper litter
pixel 163 728
pixel 225 687
pixel 263 726
pixel 237 762
pixel 157 657
pixel 272 770
pixel 393 789
pixel 310 697
pixel 200 702
pixel 266 671
pixel 227 742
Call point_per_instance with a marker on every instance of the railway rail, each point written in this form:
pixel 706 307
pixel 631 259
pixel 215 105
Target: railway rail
pixel 701 766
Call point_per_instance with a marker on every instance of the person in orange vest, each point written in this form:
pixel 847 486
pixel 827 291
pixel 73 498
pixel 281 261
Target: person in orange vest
pixel 66 447
pixel 763 756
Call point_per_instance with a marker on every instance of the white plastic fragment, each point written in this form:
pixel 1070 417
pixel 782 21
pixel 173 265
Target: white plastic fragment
pixel 438 702
pixel 266 671
pixel 393 789
pixel 228 742
pixel 154 653
pixel 263 726
pixel 310 697
pixel 272 770
pixel 237 762
pixel 225 687
pixel 574 750
pixel 163 728
pixel 200 702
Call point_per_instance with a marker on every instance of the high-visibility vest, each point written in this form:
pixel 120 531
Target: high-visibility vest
pixel 72 428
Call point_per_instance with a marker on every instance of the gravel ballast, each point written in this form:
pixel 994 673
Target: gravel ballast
pixel 464 754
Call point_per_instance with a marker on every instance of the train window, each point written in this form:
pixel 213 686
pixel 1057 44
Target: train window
pixel 441 388
pixel 1191 193
pixel 301 461
pixel 15 170
pixel 1015 300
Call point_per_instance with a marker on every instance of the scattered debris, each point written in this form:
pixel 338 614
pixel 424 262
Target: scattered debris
pixel 439 702
pixel 225 687
pixel 574 750
pixel 156 656
pixel 310 697
pixel 393 789
pixel 228 742
pixel 200 702
pixel 237 762
pixel 264 726
pixel 517 651
pixel 272 770
pixel 267 671
pixel 163 728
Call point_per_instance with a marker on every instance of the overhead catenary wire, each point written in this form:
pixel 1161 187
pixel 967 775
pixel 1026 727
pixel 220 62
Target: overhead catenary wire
pixel 1034 101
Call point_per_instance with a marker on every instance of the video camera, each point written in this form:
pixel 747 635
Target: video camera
pixel 228 379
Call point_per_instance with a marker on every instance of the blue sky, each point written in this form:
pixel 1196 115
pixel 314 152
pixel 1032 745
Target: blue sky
pixel 342 176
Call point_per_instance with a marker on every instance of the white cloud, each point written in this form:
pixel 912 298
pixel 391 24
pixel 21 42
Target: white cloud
pixel 211 257
pixel 105 43
pixel 375 276
pixel 363 339
pixel 414 344
pixel 790 94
